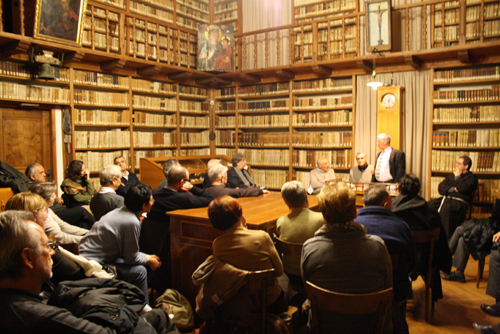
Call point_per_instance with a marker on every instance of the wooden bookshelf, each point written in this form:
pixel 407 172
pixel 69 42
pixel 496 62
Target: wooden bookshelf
pixel 466 121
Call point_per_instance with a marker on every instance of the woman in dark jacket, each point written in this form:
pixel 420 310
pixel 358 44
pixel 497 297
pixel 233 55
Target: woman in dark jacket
pixel 420 215
pixel 77 186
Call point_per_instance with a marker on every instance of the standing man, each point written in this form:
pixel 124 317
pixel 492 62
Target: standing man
pixel 457 191
pixel 106 199
pixel 363 171
pixel 391 163
pixel 128 180
pixel 320 175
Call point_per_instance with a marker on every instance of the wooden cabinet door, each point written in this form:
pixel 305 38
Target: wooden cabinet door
pixel 26 137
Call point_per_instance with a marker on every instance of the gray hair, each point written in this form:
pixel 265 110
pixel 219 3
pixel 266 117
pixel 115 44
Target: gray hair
pixel 294 194
pixel 376 195
pixel 360 152
pixel 385 137
pixel 168 165
pixel 15 235
pixel 237 157
pixel 44 189
pixel 107 173
pixel 216 172
pixel 213 162
pixel 31 170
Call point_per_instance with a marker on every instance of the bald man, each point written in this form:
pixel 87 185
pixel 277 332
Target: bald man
pixel 321 174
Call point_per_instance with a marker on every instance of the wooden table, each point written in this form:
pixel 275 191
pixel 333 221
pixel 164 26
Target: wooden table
pixel 192 234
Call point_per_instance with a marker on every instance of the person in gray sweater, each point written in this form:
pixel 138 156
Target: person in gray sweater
pixel 107 199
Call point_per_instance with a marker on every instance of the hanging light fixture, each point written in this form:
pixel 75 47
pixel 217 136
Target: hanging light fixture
pixel 374 84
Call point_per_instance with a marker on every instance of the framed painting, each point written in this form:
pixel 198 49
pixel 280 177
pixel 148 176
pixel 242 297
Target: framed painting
pixel 378 26
pixel 215 48
pixel 60 21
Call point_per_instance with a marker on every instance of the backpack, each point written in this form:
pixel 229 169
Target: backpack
pixel 178 308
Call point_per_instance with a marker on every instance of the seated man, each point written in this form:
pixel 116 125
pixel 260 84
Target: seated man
pixel 320 175
pixel 218 178
pixel 378 219
pixel 106 199
pixel 26 264
pixel 167 166
pixel 239 177
pixel 300 224
pixel 421 215
pixel 115 239
pixel 342 257
pixel 128 179
pixel 179 194
pixel 36 172
pixel 363 171
pixel 206 178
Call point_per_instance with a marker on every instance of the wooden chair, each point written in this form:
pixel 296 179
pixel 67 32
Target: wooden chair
pixel 261 280
pixel 429 237
pixel 377 302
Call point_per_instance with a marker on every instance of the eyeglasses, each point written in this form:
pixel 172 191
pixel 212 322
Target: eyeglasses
pixel 41 211
pixel 51 245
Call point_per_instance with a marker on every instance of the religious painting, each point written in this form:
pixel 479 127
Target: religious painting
pixel 215 48
pixel 60 21
pixel 378 26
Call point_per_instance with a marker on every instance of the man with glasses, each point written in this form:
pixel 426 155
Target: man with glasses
pixel 457 191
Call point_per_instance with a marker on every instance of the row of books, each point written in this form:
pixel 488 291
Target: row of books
pixel 229 15
pixel 275 105
pixel 324 8
pixel 491 10
pixel 195 138
pixel 338 47
pixel 483 193
pixel 225 137
pixel 225 106
pixel 321 118
pixel 262 139
pixel 226 6
pixel 474 138
pixel 322 139
pixel 263 121
pixel 18 69
pixel 151 154
pixel 305 51
pixel 11 90
pixel 194 13
pixel 154 103
pixel 322 84
pixel 447 4
pixel 444 161
pixel 225 122
pixel 272 88
pixel 102 139
pixel 229 152
pixel 267 157
pixel 101 117
pixel 193 106
pixel 194 151
pixel 322 102
pixel 469 95
pixel 153 86
pixel 487 72
pixel 336 22
pixel 193 91
pixel 90 97
pixel 195 122
pixel 467 114
pixel 118 3
pixel 146 10
pixel 155 139
pixel 451 16
pixel 101 79
pixel 156 120
pixel 491 28
pixel 337 34
pixel 309 158
pixel 200 5
pixel 95 161
pixel 100 41
pixel 225 92
pixel 270 178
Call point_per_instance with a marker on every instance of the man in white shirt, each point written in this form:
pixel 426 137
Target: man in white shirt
pixel 320 175
pixel 391 163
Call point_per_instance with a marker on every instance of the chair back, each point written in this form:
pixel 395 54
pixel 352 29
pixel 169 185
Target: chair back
pixel 286 248
pixel 261 280
pixel 377 302
pixel 429 237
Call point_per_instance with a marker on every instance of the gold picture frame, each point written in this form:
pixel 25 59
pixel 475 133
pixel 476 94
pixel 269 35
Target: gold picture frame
pixel 60 21
pixel 378 26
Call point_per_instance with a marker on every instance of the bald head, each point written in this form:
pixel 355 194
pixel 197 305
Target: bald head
pixel 323 164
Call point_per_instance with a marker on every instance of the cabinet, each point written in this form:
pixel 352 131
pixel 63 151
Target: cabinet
pixel 101 29
pixel 445 23
pixel 101 118
pixel 466 121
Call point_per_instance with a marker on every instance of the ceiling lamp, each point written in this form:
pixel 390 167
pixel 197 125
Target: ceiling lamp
pixel 374 84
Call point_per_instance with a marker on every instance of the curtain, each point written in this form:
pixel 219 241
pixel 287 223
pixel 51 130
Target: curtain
pixel 265 14
pixel 416 120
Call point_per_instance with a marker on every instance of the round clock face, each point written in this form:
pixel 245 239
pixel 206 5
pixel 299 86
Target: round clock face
pixel 389 100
